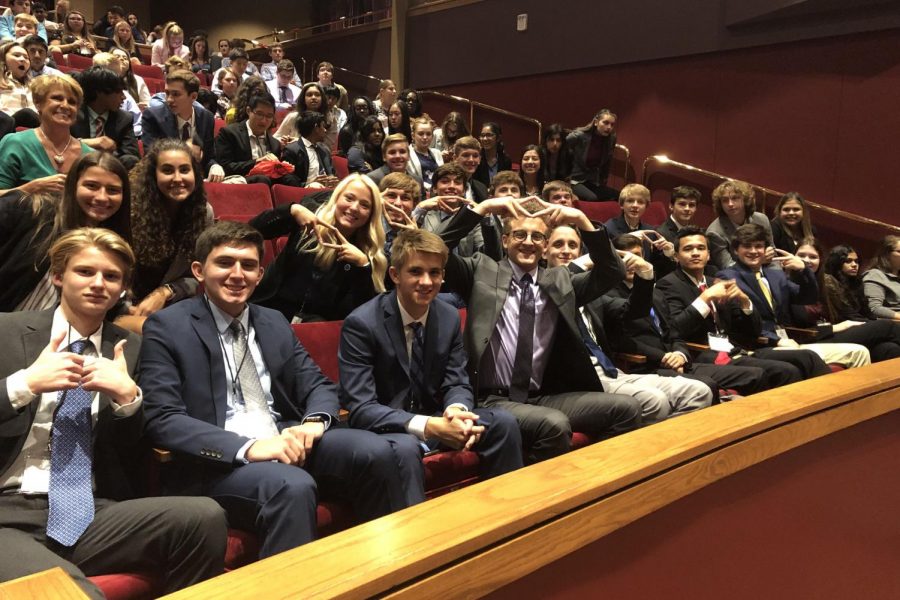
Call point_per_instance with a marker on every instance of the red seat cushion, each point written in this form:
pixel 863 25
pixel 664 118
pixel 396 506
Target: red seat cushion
pixel 321 341
pixel 238 198
pixel 128 586
pixel 599 212
pixel 287 194
pixel 580 440
pixel 448 471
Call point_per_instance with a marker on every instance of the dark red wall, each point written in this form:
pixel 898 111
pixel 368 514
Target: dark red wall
pixel 819 117
pixel 817 522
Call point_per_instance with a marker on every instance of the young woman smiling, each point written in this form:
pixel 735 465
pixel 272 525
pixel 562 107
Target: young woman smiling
pixel 334 259
pixel 96 194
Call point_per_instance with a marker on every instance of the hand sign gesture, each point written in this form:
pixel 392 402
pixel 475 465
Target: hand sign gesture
pixel 397 217
pixel 110 377
pixel 331 237
pixel 54 371
pixel 788 261
pixel 559 214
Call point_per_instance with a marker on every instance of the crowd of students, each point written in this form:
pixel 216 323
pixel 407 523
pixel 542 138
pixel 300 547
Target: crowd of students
pixel 131 314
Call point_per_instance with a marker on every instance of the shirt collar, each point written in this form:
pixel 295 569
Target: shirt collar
pixel 250 132
pixel 307 143
pixel 93 116
pixel 696 282
pixel 223 320
pixel 60 323
pixel 181 121
pixel 407 318
pixel 518 272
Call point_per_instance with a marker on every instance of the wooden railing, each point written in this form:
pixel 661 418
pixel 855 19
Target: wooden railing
pixel 478 539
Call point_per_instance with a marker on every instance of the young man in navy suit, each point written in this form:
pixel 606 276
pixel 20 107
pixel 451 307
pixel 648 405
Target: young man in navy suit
pixel 230 389
pixel 179 118
pixel 403 370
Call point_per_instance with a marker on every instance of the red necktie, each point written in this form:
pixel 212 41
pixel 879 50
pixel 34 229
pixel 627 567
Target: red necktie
pixel 722 358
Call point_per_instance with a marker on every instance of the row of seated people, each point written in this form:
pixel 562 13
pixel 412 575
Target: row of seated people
pixel 338 251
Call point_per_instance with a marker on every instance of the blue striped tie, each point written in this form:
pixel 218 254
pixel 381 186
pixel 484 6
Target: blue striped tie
pixel 70 496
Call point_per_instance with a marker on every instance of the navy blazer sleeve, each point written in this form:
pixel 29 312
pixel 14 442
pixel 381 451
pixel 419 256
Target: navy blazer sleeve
pixel 153 128
pixel 230 154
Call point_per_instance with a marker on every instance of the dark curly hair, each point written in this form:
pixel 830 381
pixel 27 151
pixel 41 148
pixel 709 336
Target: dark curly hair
pixel 156 240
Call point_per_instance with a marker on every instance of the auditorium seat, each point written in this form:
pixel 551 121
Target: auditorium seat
pixel 599 212
pixel 151 71
pixel 128 586
pixel 217 125
pixel 155 85
pixel 58 57
pixel 79 62
pixel 341 167
pixel 656 214
pixel 287 194
pixel 238 198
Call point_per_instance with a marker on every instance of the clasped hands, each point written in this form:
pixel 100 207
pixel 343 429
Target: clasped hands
pixel 56 371
pixel 456 428
pixel 291 447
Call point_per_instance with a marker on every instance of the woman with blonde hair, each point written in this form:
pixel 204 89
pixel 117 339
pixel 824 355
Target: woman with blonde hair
pixel 170 44
pixel 36 160
pixel 123 38
pixel 334 259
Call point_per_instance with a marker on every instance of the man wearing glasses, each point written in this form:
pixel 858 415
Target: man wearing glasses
pixel 240 146
pixel 525 350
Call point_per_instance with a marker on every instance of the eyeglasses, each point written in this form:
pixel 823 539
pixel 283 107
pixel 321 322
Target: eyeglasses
pixel 520 235
pixel 262 115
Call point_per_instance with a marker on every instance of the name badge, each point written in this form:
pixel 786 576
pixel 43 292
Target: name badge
pixel 719 343
pixel 781 333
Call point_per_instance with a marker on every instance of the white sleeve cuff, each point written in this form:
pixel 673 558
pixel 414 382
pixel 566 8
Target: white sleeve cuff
pixel 126 410
pixel 18 391
pixel 701 306
pixel 241 456
pixel 416 426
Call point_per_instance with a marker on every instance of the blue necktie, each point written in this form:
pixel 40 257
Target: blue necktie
pixel 602 359
pixel 655 319
pixel 520 382
pixel 70 496
pixel 417 388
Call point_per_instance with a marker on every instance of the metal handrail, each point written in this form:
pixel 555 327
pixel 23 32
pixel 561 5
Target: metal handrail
pixel 474 103
pixel 665 160
pixel 627 152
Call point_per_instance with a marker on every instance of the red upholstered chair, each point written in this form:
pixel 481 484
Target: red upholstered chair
pixel 238 199
pixel 128 586
pixel 67 69
pixel 58 57
pixel 287 194
pixel 341 168
pixel 151 71
pixel 155 85
pixel 656 214
pixel 217 125
pixel 79 62
pixel 599 212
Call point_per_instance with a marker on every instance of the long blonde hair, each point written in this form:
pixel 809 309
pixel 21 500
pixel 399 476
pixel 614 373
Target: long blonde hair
pixel 368 238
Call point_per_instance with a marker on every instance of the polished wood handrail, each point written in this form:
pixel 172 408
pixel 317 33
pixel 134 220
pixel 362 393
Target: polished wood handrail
pixel 472 104
pixel 662 159
pixel 471 541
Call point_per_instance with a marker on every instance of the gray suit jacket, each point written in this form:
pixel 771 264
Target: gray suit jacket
pixel 484 283
pixel 115 439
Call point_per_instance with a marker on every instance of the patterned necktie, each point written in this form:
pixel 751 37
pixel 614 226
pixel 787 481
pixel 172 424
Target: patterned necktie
pixel 98 127
pixel 251 394
pixel 602 359
pixel 186 132
pixel 284 94
pixel 417 387
pixel 520 382
pixel 765 290
pixel 70 496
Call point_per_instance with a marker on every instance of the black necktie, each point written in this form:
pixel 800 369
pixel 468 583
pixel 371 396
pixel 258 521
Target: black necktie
pixel 417 386
pixel 520 382
pixel 186 132
pixel 284 92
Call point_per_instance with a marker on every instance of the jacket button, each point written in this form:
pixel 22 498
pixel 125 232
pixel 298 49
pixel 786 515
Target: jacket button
pixel 347 267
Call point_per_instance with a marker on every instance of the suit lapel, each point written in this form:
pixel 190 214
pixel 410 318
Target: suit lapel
pixel 393 323
pixel 244 140
pixel 205 327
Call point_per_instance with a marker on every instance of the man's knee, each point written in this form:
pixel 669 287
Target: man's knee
pixel 654 403
pixel 504 426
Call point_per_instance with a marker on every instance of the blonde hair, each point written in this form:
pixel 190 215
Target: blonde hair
pixel 417 240
pixel 128 47
pixel 369 238
pixel 634 190
pixel 41 87
pixel 26 17
pixel 75 241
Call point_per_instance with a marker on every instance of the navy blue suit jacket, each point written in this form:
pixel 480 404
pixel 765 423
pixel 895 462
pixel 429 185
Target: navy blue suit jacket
pixel 374 364
pixel 159 122
pixel 802 289
pixel 183 378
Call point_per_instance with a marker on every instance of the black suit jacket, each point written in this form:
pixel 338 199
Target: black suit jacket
pixel 183 377
pixel 118 127
pixel 672 299
pixel 116 439
pixel 295 153
pixel 374 365
pixel 668 230
pixel 484 283
pixel 233 149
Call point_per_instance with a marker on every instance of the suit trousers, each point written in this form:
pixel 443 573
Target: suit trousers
pixel 499 451
pixel 807 363
pixel 744 378
pixel 660 397
pixel 182 538
pixel 278 501
pixel 881 337
pixel 846 355
pixel 547 422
